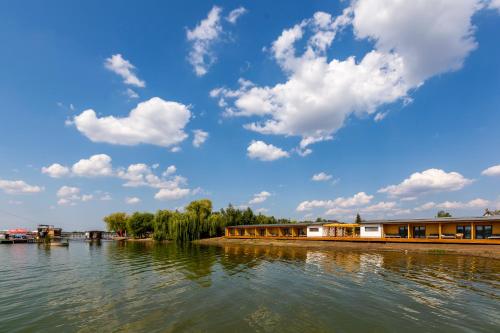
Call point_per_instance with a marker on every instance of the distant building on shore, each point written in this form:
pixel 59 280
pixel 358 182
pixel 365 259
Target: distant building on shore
pixel 478 230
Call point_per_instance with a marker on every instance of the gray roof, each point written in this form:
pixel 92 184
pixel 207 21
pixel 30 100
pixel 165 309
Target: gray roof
pixel 436 220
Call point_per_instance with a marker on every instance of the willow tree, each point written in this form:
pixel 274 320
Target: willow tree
pixel 161 223
pixel 140 224
pixel 117 222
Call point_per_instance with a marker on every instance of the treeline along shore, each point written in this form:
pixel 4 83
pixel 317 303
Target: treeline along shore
pixel 197 221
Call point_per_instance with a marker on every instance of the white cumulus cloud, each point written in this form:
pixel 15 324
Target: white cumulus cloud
pixel 492 171
pixel 358 199
pixel 200 137
pixel 95 166
pixel 265 152
pixel 474 203
pixel 56 170
pixel 259 197
pixel 320 94
pixel 202 37
pixel 155 121
pixel 428 181
pixel 321 177
pixel 132 200
pixel 18 187
pixel 69 195
pixel 118 65
pixel 172 193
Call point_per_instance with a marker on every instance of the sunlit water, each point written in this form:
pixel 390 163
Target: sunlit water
pixel 162 288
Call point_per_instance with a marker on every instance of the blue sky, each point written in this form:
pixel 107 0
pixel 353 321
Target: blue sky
pixel 297 109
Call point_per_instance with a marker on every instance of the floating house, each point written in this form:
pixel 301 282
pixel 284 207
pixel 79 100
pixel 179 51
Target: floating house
pixel 93 235
pixel 44 230
pixel 477 230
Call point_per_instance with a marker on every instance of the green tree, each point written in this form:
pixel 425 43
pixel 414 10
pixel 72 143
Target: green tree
pixel 200 208
pixel 117 222
pixel 140 224
pixel 442 213
pixel 358 218
pixel 161 222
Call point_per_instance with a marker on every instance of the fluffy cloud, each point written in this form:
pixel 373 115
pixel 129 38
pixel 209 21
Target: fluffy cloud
pixel 118 65
pixel 320 94
pixel 493 170
pixel 265 152
pixel 68 195
pixel 18 187
pixel 95 166
pixel 132 200
pixel 321 177
pixel 170 170
pixel 172 193
pixel 202 38
pixel 474 203
pixel 169 186
pixel 235 14
pixel 155 121
pixel 259 197
pixel 358 199
pixel 404 27
pixel 428 181
pixel 56 170
pixel 199 137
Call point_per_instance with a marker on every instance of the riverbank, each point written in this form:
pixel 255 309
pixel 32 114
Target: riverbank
pixel 488 251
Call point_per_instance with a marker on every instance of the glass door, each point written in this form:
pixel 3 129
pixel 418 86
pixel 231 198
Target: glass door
pixel 419 231
pixel 403 231
pixel 465 230
pixel 483 231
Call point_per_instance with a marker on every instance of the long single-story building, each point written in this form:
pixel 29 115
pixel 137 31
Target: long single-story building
pixel 480 230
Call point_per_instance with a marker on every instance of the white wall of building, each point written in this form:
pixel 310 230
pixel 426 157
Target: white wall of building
pixel 315 231
pixel 371 230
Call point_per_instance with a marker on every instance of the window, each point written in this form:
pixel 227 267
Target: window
pixel 313 229
pixel 419 231
pixel 465 230
pixel 483 231
pixel 262 232
pixel 403 231
pixel 371 229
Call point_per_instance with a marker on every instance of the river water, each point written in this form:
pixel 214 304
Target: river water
pixel 148 287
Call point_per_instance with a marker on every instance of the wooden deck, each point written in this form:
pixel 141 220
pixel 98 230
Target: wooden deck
pixel 378 240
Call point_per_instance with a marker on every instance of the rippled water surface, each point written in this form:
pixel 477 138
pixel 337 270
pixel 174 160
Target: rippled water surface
pixel 150 287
